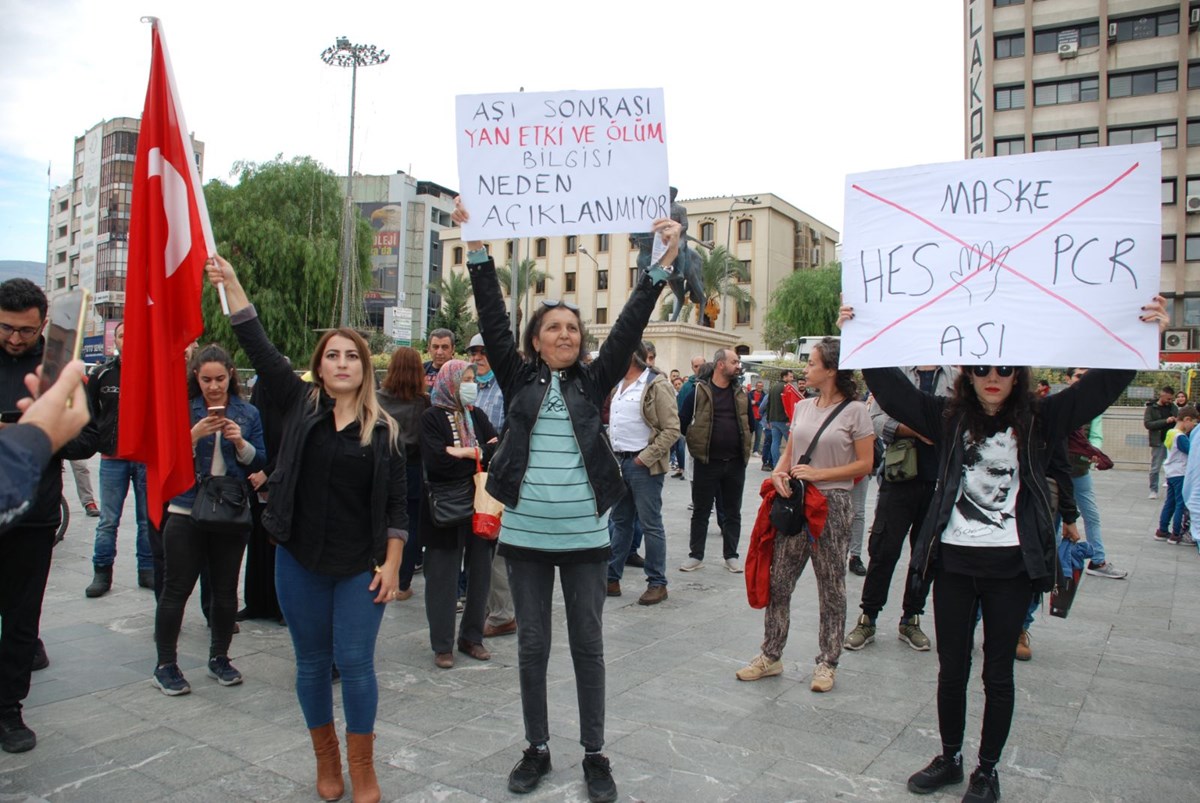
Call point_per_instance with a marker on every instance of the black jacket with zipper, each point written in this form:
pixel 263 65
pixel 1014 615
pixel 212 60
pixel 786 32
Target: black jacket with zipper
pixel 1049 423
pixel 524 383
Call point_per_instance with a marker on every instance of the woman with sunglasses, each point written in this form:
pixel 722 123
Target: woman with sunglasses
pixel 557 477
pixel 988 540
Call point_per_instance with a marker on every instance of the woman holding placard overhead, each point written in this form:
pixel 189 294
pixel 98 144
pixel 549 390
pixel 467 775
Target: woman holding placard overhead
pixel 557 477
pixel 989 537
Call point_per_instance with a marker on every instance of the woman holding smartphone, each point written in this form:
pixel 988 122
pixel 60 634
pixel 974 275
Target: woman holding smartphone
pixel 227 439
pixel 336 504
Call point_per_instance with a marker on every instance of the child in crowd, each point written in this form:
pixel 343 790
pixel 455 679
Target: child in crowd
pixel 1178 445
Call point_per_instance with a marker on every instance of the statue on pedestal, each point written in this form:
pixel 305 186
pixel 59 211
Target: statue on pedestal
pixel 687 278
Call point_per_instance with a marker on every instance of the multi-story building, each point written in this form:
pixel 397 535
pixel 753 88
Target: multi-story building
pixel 596 272
pixel 1056 74
pixel 408 217
pixel 88 230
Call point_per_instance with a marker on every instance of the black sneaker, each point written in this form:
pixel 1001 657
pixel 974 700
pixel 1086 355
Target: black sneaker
pixel 857 567
pixel 15 736
pixel 220 670
pixel 983 788
pixel 528 773
pixel 40 659
pixel 941 772
pixel 597 774
pixel 171 681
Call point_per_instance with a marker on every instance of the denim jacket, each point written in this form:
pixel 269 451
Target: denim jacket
pixel 246 416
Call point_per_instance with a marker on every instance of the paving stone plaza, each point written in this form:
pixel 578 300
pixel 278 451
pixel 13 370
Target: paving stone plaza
pixel 1107 710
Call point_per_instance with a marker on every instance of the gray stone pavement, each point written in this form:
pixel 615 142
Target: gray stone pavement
pixel 1108 709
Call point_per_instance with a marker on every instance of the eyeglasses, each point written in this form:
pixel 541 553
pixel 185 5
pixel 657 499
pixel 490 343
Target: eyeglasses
pixel 1001 370
pixel 551 303
pixel 26 332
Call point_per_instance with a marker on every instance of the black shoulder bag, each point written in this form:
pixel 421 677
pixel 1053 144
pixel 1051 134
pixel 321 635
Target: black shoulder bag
pixel 451 502
pixel 787 513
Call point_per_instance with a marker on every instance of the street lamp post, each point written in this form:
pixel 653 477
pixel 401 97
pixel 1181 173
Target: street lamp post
pixel 753 201
pixel 344 54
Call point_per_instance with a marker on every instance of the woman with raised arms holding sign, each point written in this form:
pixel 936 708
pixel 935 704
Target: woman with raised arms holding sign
pixel 557 477
pixel 989 537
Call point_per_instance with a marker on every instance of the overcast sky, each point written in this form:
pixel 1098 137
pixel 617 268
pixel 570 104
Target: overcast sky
pixel 760 97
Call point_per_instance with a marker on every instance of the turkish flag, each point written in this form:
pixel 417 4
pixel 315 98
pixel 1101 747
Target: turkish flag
pixel 169 241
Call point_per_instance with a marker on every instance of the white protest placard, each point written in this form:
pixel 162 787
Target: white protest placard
pixel 553 163
pixel 1039 259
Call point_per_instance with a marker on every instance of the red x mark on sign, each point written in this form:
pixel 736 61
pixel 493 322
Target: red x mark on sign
pixel 987 261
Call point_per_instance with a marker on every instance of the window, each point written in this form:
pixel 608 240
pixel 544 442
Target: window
pixel 569 282
pixel 1168 248
pixel 601 314
pixel 743 312
pixel 1065 142
pixel 60 283
pixel 62 232
pixel 1010 97
pixel 508 249
pixel 601 280
pixel 539 286
pixel 745 230
pixel 1010 46
pixel 706 232
pixel 1191 312
pixel 1148 26
pixel 458 254
pixel 60 257
pixel 1168 191
pixel 744 276
pixel 1009 147
pixel 1166 134
pixel 1079 90
pixel 1191 248
pixel 539 247
pixel 1143 82
pixel 1193 186
pixel 1194 76
pixel 602 244
pixel 633 277
pixel 1003 3
pixel 1193 133
pixel 1047 41
pixel 572 244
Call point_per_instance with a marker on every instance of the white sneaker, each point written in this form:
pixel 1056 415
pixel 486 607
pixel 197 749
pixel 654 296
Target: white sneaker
pixel 732 565
pixel 1106 569
pixel 691 565
pixel 1153 495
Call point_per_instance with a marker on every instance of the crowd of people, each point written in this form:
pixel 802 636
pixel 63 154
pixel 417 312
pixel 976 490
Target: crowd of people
pixel 351 490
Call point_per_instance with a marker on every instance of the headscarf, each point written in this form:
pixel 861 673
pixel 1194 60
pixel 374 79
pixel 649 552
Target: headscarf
pixel 445 396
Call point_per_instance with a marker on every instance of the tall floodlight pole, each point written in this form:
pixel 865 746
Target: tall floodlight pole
pixel 344 54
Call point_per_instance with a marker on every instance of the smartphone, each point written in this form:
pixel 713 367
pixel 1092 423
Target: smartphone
pixel 219 412
pixel 10 416
pixel 64 334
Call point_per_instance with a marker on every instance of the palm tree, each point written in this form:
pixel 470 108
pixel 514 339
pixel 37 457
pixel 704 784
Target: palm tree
pixel 724 275
pixel 454 313
pixel 528 276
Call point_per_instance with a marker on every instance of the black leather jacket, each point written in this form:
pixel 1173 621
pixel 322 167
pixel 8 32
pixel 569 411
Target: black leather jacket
pixel 1051 421
pixel 585 387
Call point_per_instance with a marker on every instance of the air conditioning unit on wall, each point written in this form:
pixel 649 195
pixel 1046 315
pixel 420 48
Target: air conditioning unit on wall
pixel 1193 204
pixel 1177 339
pixel 1068 50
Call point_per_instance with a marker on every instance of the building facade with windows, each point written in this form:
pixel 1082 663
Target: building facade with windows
pixel 1044 75
pixel 596 272
pixel 88 221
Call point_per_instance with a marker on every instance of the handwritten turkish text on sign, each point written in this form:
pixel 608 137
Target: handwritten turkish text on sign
pixel 547 163
pixel 1039 259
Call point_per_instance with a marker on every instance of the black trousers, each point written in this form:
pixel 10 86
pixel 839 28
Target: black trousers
pixel 189 548
pixel 1004 603
pixel 724 479
pixel 261 602
pixel 24 567
pixel 899 512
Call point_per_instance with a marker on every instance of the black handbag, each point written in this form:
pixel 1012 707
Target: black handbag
pixel 223 506
pixel 787 515
pixel 451 502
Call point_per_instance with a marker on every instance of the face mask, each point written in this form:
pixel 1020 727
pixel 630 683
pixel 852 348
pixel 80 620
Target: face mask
pixel 468 392
pixel 485 377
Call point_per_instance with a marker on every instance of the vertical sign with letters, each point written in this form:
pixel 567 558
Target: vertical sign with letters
pixel 976 85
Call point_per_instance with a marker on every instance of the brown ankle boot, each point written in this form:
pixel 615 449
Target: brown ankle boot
pixel 330 785
pixel 360 755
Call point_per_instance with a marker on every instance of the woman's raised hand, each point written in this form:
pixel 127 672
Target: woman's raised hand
pixel 460 215
pixel 1156 312
pixel 845 313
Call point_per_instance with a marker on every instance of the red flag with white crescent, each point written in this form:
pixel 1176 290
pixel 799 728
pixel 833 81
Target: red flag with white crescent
pixel 169 241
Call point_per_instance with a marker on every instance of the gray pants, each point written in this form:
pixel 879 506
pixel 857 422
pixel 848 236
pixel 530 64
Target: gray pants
pixel 584 586
pixel 1157 455
pixel 858 519
pixel 500 601
pixel 441 590
pixel 83 482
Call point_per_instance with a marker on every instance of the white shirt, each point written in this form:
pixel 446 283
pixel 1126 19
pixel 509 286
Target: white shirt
pixel 627 430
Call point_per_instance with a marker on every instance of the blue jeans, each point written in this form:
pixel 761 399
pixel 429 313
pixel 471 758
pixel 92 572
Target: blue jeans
pixel 1172 509
pixel 115 476
pixel 642 502
pixel 1085 500
pixel 779 435
pixel 758 433
pixel 677 453
pixel 331 619
pixel 1158 453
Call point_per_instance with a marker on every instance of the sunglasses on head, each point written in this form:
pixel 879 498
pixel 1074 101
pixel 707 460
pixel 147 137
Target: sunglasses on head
pixel 551 303
pixel 1001 370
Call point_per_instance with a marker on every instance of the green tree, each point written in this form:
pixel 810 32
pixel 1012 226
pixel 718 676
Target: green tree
pixel 724 277
pixel 807 301
pixel 455 311
pixel 281 227
pixel 776 334
pixel 528 276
